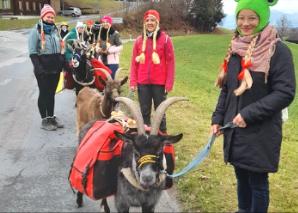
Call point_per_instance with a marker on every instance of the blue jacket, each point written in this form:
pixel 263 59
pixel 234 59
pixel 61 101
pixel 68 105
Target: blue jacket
pixel 49 59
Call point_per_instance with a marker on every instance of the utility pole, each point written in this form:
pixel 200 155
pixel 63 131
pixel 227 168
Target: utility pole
pixel 62 1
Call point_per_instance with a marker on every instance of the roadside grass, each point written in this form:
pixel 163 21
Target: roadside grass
pixel 104 6
pixel 211 187
pixel 6 24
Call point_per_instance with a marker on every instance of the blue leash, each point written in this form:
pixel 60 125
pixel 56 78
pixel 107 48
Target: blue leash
pixel 201 155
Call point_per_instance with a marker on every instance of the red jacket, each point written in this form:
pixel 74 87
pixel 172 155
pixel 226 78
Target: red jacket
pixel 149 73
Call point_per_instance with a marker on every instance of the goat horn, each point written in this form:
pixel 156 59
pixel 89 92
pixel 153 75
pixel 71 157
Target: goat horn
pixel 135 110
pixel 104 71
pixel 160 111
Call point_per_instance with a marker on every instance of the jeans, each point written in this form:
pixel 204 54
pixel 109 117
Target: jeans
pixel 113 68
pixel 147 93
pixel 252 190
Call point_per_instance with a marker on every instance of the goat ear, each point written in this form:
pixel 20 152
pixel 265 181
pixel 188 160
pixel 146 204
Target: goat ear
pixel 124 80
pixel 172 139
pixel 124 137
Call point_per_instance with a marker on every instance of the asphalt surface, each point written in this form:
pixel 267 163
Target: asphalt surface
pixel 35 163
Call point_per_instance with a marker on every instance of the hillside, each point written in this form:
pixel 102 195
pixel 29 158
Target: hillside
pixel 211 186
pixel 95 6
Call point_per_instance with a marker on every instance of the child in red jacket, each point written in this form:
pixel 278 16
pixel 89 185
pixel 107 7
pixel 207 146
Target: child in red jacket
pixel 152 68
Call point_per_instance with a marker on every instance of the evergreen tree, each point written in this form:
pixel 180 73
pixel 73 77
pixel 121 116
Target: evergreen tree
pixel 204 15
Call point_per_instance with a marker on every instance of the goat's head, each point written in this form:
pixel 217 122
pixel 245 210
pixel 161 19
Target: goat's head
pixel 147 155
pixel 82 67
pixel 112 87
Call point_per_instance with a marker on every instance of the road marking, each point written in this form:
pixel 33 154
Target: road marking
pixel 6 81
pixel 13 61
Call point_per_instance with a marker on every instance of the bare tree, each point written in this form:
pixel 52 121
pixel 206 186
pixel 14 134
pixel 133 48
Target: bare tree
pixel 283 26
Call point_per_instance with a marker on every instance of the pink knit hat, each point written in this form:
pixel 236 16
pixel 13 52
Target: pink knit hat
pixel 46 9
pixel 107 19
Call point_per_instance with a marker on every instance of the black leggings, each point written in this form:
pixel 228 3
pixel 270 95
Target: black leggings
pixel 146 94
pixel 47 85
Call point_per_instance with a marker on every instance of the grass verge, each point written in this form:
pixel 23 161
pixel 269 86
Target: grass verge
pixel 212 186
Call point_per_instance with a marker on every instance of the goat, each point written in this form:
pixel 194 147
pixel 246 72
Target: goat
pixel 92 105
pixel 140 179
pixel 82 68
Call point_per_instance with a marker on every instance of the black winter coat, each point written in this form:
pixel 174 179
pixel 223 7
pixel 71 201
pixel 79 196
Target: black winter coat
pixel 256 147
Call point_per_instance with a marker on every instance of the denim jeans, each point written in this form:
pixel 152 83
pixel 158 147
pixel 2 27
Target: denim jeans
pixel 252 190
pixel 113 68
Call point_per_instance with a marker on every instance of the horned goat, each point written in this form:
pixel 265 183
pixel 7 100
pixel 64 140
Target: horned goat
pixel 92 105
pixel 141 178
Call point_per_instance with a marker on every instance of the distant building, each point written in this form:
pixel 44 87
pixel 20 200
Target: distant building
pixel 26 7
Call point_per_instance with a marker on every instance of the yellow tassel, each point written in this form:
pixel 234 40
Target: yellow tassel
pixel 220 79
pixel 248 79
pixel 245 84
pixel 141 58
pixel 155 58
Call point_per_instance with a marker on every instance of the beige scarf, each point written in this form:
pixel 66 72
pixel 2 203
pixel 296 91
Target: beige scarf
pixel 263 50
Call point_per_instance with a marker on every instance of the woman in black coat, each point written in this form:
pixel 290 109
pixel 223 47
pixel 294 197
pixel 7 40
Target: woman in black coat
pixel 257 81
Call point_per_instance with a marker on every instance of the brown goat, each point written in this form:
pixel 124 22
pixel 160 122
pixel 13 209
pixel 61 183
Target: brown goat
pixel 92 105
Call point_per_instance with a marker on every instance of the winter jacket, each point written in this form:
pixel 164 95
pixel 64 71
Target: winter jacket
pixel 68 42
pixel 149 73
pixel 49 59
pixel 257 146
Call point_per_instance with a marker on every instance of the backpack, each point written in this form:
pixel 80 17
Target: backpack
pixel 95 165
pixel 94 168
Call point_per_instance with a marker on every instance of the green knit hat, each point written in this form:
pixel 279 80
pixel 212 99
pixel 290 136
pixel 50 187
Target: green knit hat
pixel 260 7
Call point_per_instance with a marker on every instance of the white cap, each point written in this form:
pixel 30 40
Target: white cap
pixel 80 24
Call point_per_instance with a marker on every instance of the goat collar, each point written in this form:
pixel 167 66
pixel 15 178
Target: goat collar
pixel 82 83
pixel 130 177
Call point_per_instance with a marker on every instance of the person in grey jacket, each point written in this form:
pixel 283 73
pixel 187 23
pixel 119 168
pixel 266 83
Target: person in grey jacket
pixel 45 54
pixel 257 81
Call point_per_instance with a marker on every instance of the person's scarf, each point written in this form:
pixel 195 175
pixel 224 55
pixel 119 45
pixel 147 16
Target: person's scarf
pixel 262 52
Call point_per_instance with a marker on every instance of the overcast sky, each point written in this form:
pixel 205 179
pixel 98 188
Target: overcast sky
pixel 286 6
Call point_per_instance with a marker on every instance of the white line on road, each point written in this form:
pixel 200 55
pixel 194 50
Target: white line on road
pixel 13 61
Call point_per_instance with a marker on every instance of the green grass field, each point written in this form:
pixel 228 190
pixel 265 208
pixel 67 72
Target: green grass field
pixel 104 6
pixel 6 24
pixel 212 186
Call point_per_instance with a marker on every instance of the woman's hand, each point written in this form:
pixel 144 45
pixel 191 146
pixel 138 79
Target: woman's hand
pixel 239 121
pixel 133 88
pixel 215 130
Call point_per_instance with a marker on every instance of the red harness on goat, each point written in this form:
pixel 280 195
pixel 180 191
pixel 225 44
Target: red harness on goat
pixel 98 74
pixel 95 165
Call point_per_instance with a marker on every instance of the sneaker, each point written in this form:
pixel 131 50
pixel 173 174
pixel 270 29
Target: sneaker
pixel 47 125
pixel 56 122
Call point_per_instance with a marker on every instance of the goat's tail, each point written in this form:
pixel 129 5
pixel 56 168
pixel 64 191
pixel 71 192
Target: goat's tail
pixel 105 205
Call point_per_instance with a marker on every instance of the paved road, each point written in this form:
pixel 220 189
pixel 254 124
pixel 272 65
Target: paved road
pixel 35 163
